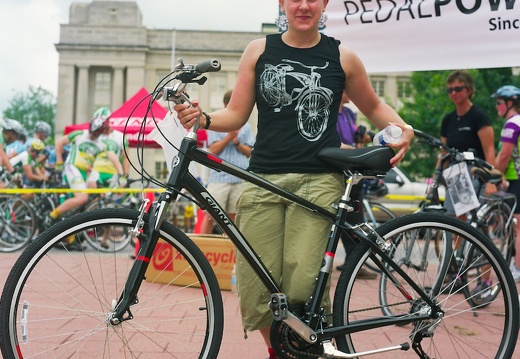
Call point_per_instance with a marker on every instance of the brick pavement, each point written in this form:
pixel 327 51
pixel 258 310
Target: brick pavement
pixel 233 345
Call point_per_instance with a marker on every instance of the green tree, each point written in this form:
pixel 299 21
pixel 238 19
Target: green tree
pixel 35 105
pixel 430 104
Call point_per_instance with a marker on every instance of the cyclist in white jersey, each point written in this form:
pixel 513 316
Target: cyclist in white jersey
pixel 103 170
pixel 85 145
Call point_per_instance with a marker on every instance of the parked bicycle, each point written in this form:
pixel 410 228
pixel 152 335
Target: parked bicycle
pixel 22 216
pixel 57 304
pixel 494 218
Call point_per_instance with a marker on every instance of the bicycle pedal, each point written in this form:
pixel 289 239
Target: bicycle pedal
pixel 278 306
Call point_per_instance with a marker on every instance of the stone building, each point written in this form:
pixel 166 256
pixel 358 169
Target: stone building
pixel 106 55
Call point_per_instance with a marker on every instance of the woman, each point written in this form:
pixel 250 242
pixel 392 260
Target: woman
pixel 286 236
pixel 468 126
pixel 508 159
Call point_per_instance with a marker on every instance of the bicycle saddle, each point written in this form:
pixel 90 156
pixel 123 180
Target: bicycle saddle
pixel 370 161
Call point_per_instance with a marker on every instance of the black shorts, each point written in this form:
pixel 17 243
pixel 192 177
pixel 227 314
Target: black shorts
pixel 514 188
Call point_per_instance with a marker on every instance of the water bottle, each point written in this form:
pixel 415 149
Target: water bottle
pixel 234 280
pixel 63 197
pixel 390 134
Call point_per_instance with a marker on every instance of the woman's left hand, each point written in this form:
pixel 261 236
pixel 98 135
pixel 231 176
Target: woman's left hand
pixel 402 146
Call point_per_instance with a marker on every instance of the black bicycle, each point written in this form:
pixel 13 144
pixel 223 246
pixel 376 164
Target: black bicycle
pixel 167 301
pixel 494 218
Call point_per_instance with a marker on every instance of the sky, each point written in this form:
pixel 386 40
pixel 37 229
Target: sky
pixel 29 30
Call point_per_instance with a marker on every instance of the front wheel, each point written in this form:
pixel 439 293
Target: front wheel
pixel 57 302
pixel 452 326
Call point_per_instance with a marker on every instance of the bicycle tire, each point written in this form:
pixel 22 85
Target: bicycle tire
pixel 382 214
pixel 100 239
pixel 462 332
pixel 55 303
pixel 17 223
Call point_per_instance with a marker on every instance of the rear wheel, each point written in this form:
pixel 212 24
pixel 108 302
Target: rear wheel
pixel 460 328
pixel 56 303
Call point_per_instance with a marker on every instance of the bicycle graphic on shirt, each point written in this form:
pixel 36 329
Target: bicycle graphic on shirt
pixel 314 101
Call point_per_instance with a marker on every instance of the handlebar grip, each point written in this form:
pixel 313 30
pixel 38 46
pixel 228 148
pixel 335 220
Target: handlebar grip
pixel 432 141
pixel 208 66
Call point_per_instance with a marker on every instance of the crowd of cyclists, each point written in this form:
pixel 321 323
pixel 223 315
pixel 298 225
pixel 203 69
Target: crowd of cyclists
pixel 79 160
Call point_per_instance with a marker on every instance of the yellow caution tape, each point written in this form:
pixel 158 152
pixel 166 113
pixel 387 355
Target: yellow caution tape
pixel 68 190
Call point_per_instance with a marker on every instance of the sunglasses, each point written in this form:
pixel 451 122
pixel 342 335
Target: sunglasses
pixel 35 151
pixel 499 102
pixel 455 89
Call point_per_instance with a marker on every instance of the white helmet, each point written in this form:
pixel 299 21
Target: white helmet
pixel 43 128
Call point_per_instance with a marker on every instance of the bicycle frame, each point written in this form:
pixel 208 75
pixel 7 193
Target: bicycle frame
pixel 180 179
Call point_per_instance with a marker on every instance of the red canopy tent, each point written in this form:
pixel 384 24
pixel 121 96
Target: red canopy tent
pixel 131 115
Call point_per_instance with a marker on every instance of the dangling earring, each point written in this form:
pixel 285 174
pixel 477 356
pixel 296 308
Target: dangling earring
pixel 282 22
pixel 323 20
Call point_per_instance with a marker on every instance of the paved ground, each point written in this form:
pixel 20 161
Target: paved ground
pixel 233 346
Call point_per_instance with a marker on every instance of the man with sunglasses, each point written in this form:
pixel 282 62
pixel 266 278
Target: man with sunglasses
pixel 86 146
pixel 468 127
pixel 508 158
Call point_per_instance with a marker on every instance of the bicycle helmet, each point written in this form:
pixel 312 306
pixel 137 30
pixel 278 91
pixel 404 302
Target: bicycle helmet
pixel 507 92
pixel 43 128
pixel 98 124
pixel 37 145
pixel 102 112
pixel 13 125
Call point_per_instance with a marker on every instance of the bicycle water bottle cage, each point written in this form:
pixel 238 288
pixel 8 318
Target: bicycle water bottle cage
pixel 278 306
pixel 370 161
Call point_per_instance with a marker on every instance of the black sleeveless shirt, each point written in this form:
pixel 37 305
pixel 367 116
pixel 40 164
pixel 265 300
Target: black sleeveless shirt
pixel 298 92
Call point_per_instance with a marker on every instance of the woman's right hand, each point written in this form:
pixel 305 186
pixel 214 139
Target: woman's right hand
pixel 188 115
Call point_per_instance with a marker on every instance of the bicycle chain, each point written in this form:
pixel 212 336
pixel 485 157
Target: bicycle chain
pixel 286 342
pixel 380 306
pixel 285 345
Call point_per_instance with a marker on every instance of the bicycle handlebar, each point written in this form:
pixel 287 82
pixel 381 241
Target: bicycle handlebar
pixel 208 66
pixel 452 152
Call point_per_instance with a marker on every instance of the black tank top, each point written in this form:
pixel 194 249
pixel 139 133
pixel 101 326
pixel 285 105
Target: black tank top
pixel 298 92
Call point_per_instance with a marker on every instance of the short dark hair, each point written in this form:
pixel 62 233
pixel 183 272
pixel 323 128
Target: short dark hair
pixel 462 76
pixel 227 97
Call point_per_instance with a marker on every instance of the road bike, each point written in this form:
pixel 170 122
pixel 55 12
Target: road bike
pixel 60 304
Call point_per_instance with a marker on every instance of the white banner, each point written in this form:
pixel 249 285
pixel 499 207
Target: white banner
pixel 415 35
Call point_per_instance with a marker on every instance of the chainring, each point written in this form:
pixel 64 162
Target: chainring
pixel 287 344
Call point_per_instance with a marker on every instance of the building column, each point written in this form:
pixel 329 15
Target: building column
pixel 117 88
pixel 82 95
pixel 65 99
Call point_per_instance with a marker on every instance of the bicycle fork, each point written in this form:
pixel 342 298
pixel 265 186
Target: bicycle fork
pixel 148 237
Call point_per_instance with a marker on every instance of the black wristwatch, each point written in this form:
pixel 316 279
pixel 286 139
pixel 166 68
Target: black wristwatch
pixel 208 120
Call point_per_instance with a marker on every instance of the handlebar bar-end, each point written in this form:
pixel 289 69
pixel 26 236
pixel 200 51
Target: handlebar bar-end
pixel 208 66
